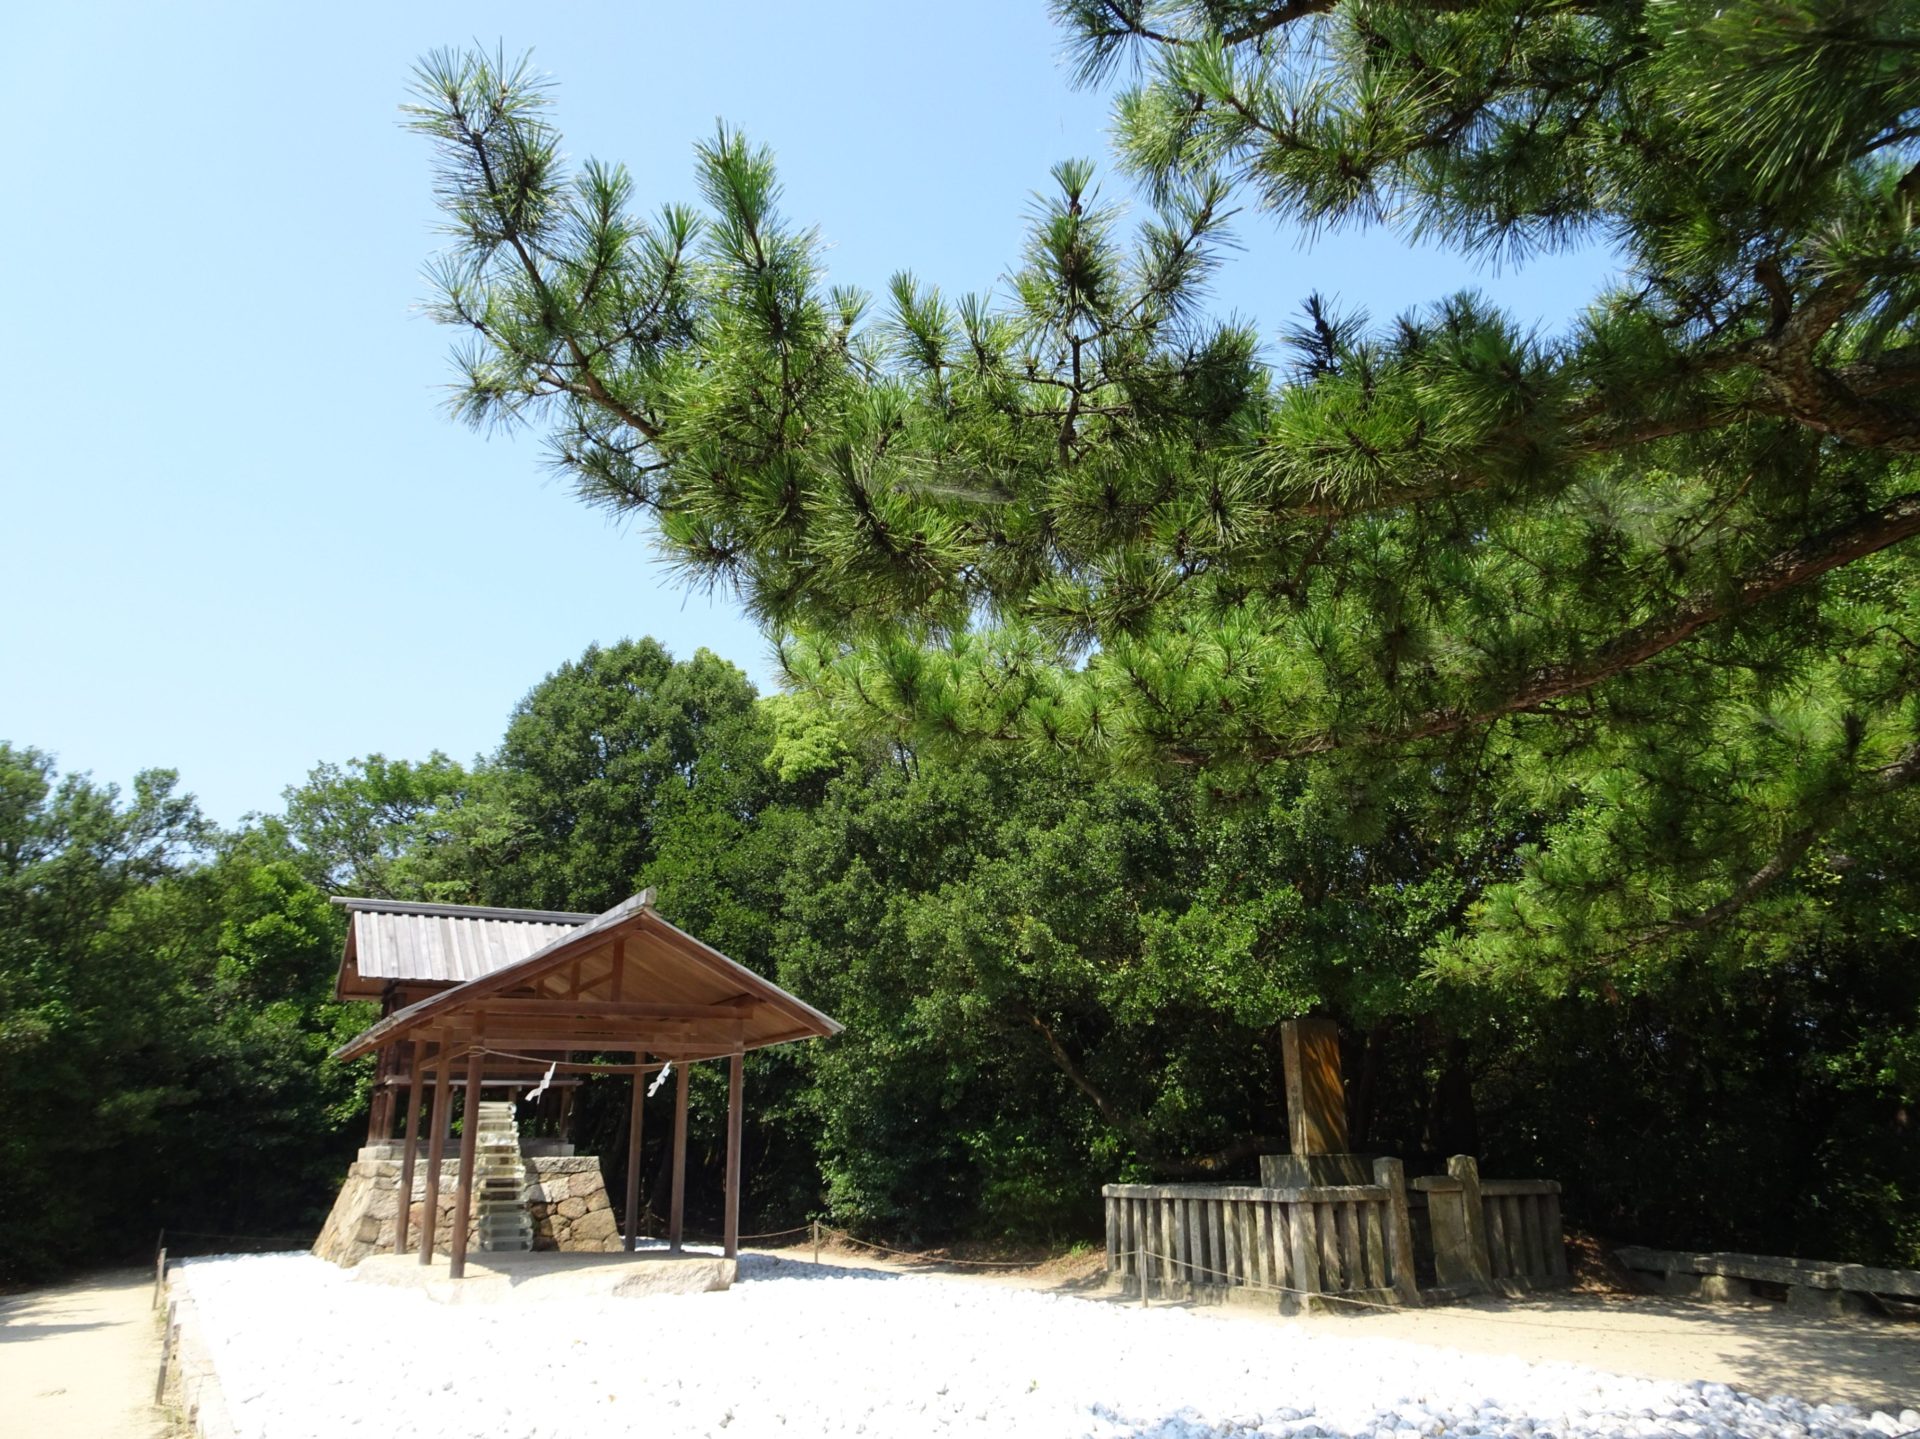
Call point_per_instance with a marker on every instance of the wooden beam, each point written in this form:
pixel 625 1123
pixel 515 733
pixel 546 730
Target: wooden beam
pixel 676 1221
pixel 655 1036
pixel 634 1113
pixel 469 1149
pixel 410 1150
pixel 730 1234
pixel 436 1152
pixel 593 1010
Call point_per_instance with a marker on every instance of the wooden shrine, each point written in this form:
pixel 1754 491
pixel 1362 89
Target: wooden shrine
pixel 510 998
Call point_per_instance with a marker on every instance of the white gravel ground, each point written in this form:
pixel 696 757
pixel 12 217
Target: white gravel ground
pixel 798 1350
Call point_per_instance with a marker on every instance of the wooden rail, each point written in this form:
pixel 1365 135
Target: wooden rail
pixel 1337 1246
pixel 1524 1242
pixel 1298 1245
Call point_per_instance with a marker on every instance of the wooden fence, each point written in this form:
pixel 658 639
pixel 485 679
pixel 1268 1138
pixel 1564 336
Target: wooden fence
pixel 1524 1242
pixel 1298 1245
pixel 1336 1246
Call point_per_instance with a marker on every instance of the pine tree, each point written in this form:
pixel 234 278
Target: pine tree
pixel 1649 574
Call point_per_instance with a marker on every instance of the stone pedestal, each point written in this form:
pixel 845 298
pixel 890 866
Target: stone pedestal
pixel 566 1199
pixel 1314 1171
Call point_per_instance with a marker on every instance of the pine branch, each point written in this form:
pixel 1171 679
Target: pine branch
pixel 1792 567
pixel 1888 780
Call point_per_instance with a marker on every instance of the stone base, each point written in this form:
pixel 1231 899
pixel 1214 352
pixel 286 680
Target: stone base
pixel 567 1200
pixel 1314 1171
pixel 493 1278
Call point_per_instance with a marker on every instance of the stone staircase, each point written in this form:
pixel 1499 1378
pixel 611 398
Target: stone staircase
pixel 500 1179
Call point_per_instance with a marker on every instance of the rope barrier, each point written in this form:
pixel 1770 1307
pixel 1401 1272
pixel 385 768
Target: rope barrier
pixel 568 1064
pixel 1526 1321
pixel 700 1238
pixel 847 1238
pixel 1257 1285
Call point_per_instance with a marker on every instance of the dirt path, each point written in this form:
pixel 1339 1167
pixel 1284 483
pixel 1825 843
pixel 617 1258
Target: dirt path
pixel 79 1361
pixel 1760 1349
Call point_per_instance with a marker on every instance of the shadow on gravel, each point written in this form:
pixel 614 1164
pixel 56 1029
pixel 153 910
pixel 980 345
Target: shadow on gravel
pixel 1763 1351
pixel 767 1266
pixel 11 1333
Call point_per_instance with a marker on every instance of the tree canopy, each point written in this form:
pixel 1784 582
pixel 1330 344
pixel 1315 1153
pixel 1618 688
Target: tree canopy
pixel 1050 979
pixel 1645 575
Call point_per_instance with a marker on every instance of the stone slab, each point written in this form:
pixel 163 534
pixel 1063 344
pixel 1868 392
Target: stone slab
pixel 1316 1097
pixel 530 1278
pixel 1772 1269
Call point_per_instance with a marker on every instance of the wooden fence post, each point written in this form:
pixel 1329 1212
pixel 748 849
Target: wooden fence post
pixel 1466 1169
pixel 1391 1175
pixel 1306 1255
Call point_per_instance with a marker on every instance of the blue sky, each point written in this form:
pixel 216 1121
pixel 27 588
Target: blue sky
pixel 241 535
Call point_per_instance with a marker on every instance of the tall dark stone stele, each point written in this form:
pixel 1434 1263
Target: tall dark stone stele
pixel 1316 1113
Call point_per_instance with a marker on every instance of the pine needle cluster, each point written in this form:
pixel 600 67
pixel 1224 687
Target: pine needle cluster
pixel 1650 573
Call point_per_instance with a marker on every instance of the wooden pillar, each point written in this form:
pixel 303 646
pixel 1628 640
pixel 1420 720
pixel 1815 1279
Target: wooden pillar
pixel 436 1152
pixel 469 1150
pixel 410 1148
pixel 375 1100
pixel 730 1235
pixel 677 1217
pixel 389 1110
pixel 634 1112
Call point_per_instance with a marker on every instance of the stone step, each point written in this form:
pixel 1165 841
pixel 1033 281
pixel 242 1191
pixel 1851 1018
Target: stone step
pixel 501 1214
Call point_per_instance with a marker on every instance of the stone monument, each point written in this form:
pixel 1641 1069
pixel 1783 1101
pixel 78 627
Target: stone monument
pixel 1316 1113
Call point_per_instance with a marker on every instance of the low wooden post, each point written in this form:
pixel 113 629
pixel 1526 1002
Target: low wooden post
pixel 634 1113
pixel 730 1234
pixel 1452 1245
pixel 1466 1169
pixel 169 1337
pixel 1556 1236
pixel 436 1153
pixel 815 1224
pixel 676 1219
pixel 1391 1175
pixel 469 1150
pixel 409 1151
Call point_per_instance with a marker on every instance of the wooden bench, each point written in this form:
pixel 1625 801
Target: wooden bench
pixel 1819 1285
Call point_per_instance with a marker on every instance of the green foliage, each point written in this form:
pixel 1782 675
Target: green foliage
pixel 1051 976
pixel 362 824
pixel 1659 556
pixel 165 1017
